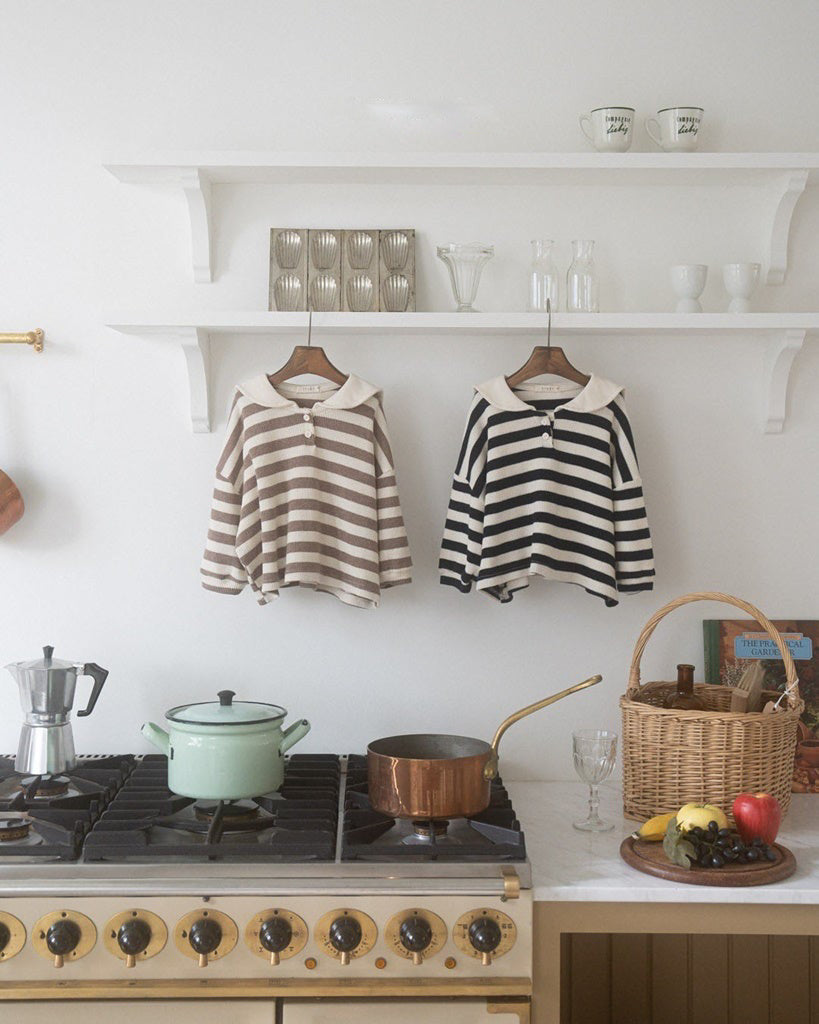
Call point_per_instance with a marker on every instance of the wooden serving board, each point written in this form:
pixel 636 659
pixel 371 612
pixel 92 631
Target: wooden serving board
pixel 650 858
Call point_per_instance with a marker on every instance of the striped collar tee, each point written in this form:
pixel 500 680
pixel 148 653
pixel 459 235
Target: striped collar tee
pixel 306 495
pixel 547 485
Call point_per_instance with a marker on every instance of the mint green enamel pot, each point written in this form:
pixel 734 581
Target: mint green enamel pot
pixel 221 750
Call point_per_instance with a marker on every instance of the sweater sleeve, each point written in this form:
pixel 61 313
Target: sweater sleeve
pixel 221 569
pixel 460 559
pixel 395 564
pixel 634 556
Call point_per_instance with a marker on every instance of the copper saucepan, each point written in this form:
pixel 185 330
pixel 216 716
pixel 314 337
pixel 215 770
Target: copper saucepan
pixel 428 775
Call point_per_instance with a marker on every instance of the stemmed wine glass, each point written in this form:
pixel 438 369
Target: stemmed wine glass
pixel 594 754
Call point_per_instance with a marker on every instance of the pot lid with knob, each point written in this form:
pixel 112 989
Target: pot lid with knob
pixel 226 711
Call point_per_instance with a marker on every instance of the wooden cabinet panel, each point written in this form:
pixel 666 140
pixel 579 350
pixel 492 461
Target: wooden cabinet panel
pixel 688 979
pixel 748 978
pixel 670 979
pixel 630 978
pixel 565 980
pixel 790 979
pixel 590 977
pixel 708 982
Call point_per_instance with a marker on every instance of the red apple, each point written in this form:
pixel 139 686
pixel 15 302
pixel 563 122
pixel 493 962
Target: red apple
pixel 757 815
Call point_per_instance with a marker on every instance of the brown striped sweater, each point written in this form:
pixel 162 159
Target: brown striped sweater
pixel 306 495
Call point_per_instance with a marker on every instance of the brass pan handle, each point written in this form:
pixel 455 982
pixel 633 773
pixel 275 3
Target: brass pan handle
pixel 490 770
pixel 34 338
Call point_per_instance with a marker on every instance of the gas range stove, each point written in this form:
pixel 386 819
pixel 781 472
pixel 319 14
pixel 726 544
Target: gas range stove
pixel 306 889
pixel 120 809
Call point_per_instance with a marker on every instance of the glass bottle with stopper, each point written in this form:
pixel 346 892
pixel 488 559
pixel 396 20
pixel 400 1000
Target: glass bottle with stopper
pixel 683 697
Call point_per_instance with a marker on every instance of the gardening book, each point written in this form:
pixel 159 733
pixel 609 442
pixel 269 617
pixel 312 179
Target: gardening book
pixel 732 644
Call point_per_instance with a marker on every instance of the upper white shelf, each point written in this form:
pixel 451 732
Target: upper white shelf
pixel 457 168
pixel 785 334
pixel 785 175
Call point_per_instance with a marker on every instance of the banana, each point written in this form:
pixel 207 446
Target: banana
pixel 654 829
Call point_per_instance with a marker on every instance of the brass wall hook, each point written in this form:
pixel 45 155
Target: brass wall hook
pixel 35 338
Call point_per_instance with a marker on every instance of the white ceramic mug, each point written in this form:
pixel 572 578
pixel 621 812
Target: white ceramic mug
pixel 675 129
pixel 608 129
pixel 740 280
pixel 688 281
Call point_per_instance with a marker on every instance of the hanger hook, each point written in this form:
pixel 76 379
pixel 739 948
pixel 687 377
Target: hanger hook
pixel 310 328
pixel 549 323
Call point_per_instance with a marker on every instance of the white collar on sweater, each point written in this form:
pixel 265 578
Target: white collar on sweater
pixel 352 393
pixel 597 394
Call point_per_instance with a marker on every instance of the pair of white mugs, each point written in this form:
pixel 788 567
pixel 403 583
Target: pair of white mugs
pixel 610 129
pixel 688 282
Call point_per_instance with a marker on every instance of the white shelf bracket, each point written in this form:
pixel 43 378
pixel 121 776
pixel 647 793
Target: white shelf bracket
pixel 197 189
pixel 195 344
pixel 782 350
pixel 788 190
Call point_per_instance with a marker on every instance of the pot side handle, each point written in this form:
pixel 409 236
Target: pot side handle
pixel 160 739
pixel 293 733
pixel 490 770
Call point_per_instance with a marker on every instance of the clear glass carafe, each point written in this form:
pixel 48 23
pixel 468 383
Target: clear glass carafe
pixel 582 286
pixel 543 277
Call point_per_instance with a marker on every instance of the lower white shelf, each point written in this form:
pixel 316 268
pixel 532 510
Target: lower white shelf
pixel 786 333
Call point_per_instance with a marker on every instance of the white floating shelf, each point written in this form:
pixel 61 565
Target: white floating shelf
pixel 456 168
pixel 784 175
pixel 785 332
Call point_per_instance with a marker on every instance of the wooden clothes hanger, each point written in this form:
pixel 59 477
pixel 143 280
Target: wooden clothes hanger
pixel 547 359
pixel 308 359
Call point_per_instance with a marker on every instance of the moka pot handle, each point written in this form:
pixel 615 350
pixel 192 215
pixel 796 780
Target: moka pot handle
pixel 99 675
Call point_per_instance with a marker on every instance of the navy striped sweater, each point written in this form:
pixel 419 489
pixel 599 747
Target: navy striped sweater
pixel 547 485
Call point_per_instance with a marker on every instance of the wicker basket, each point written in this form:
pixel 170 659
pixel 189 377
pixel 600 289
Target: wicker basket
pixel 671 757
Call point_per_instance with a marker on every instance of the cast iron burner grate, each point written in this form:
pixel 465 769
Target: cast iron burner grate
pixel 492 835
pixel 45 834
pixel 145 821
pixel 90 786
pixel 52 816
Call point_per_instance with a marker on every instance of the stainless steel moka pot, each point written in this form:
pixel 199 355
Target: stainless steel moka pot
pixel 47 696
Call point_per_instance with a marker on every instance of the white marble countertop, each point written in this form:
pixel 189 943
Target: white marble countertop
pixel 572 866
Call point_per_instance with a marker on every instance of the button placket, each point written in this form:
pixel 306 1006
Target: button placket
pixel 548 423
pixel 309 425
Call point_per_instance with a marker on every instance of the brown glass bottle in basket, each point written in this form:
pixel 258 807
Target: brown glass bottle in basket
pixel 684 698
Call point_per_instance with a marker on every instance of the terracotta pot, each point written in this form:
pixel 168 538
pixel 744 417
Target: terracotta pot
pixel 11 503
pixel 809 751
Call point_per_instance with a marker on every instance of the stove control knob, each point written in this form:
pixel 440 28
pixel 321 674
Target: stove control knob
pixel 275 935
pixel 485 936
pixel 204 936
pixel 345 935
pixel 133 938
pixel 5 936
pixel 61 938
pixel 415 934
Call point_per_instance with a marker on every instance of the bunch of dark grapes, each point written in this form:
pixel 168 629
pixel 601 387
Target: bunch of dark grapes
pixel 715 847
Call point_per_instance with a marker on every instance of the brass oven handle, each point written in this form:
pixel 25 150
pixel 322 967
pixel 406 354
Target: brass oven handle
pixel 490 770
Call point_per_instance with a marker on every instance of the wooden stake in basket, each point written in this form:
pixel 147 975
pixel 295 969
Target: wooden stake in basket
pixel 673 757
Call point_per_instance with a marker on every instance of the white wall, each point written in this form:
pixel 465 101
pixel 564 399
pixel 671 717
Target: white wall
pixel 104 564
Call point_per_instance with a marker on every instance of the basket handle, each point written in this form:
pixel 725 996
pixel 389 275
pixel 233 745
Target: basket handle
pixel 792 689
